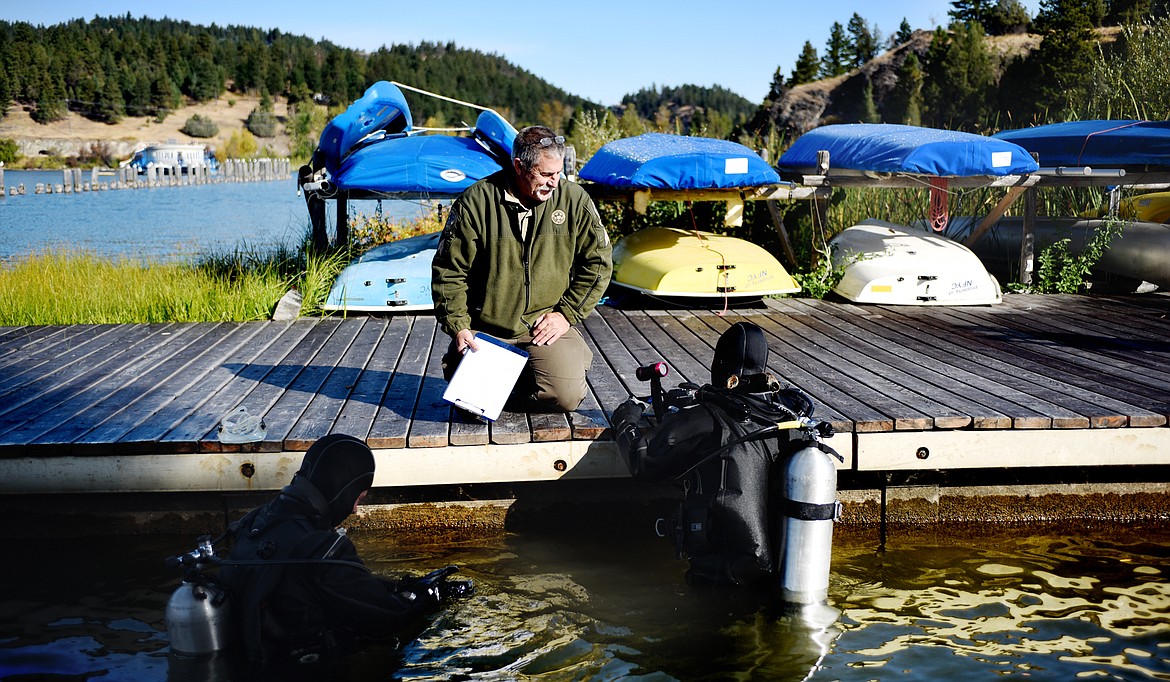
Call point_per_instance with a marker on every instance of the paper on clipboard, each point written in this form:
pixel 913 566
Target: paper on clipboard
pixel 485 377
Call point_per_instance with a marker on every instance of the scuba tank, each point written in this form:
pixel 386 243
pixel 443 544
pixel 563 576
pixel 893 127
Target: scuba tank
pixel 198 615
pixel 808 509
pixel 198 619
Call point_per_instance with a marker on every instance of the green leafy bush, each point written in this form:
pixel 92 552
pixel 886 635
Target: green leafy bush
pixel 9 152
pixel 1061 272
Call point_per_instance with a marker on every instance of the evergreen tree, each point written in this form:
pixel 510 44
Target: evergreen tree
pixel 109 107
pixel 904 104
pixel 1007 17
pixel 5 92
pixel 967 11
pixel 835 62
pixel 807 66
pixel 778 87
pixel 959 78
pixel 868 110
pixel 49 98
pixel 1060 67
pixel 1127 11
pixel 863 43
pixel 903 35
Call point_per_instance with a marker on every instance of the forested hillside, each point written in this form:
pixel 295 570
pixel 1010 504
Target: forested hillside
pixel 993 66
pixel 106 68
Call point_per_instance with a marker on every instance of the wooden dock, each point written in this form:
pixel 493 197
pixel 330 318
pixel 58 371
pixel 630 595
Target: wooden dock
pixel 1036 381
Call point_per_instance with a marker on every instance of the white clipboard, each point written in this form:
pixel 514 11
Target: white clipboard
pixel 485 377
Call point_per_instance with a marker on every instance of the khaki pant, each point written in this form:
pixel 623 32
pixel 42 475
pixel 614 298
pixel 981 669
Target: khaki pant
pixel 553 380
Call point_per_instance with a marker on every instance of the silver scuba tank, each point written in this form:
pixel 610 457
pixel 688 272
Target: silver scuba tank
pixel 808 509
pixel 198 620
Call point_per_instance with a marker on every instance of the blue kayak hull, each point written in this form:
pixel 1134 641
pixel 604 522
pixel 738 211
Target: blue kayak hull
pixel 394 277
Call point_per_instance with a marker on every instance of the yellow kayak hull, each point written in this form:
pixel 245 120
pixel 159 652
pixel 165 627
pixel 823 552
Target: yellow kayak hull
pixel 1150 208
pixel 667 261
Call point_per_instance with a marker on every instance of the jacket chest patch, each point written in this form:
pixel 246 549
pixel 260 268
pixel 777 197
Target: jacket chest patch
pixel 559 221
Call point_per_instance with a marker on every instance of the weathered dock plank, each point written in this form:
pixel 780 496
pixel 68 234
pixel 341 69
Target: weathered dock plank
pixel 431 422
pixel 322 411
pixel 281 418
pixel 204 374
pixel 1055 356
pixel 906 388
pixel 1004 390
pixel 81 385
pixel 392 421
pixel 256 388
pixel 187 421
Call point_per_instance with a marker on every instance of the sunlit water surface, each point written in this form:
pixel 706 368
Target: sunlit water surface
pixel 161 224
pixel 1040 604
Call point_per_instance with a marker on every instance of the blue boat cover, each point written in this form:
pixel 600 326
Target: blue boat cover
pixel 890 148
pixel 382 107
pixel 436 165
pixel 660 161
pixel 1096 143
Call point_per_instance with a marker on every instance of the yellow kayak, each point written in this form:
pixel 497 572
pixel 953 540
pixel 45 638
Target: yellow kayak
pixel 1150 208
pixel 667 261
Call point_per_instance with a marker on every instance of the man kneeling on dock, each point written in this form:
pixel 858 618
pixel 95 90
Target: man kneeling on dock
pixel 524 257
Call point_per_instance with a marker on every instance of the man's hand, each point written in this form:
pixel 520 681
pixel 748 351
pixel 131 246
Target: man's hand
pixel 629 411
pixel 548 328
pixel 465 339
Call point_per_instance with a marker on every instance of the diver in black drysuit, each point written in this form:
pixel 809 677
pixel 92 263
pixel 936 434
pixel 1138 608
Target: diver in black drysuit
pixel 300 590
pixel 725 446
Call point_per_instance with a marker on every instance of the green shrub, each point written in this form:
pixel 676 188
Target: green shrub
pixel 9 152
pixel 200 126
pixel 261 123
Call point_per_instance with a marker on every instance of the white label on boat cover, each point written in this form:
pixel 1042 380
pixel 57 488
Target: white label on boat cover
pixel 452 175
pixel 735 166
pixel 1001 159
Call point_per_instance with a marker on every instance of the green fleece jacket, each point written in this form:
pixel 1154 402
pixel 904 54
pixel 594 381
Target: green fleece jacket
pixel 487 278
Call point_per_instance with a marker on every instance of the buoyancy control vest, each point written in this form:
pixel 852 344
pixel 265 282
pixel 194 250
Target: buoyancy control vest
pixel 724 524
pixel 275 536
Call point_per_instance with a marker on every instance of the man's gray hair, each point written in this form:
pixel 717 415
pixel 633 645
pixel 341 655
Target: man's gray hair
pixel 535 141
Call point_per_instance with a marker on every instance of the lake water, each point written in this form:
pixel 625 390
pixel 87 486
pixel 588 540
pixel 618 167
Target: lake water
pixel 1045 604
pixel 160 224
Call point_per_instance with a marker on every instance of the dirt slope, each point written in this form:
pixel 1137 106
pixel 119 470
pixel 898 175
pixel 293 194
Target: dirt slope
pixel 68 137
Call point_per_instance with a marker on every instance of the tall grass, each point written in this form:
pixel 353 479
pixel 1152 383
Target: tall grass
pixel 76 287
pixel 80 288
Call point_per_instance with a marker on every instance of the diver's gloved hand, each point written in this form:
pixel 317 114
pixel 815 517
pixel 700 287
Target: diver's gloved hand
pixel 454 589
pixel 629 411
pixel 434 588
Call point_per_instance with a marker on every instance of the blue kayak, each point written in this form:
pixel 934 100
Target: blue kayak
pixel 902 149
pixel 661 161
pixel 381 109
pixel 428 165
pixel 1096 143
pixel 394 277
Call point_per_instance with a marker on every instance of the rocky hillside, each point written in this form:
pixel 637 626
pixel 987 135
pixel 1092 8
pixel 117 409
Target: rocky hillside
pixel 833 100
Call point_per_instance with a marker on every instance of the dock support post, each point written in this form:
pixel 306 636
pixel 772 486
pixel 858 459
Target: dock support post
pixel 1028 238
pixel 316 206
pixel 342 220
pixel 778 224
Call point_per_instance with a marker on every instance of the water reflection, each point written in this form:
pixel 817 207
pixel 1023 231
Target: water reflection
pixel 593 606
pixel 1055 607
